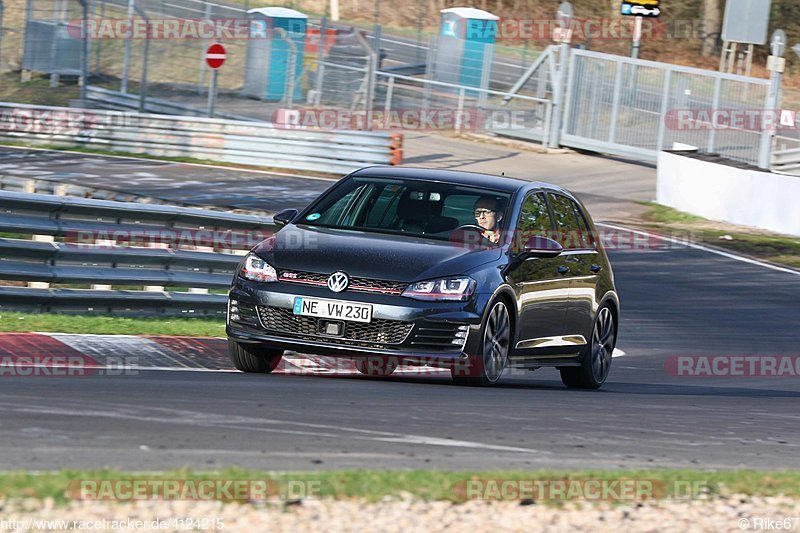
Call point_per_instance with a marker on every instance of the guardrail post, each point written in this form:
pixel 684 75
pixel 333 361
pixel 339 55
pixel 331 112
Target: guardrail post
pixel 155 288
pixel 460 110
pixel 30 187
pixel 102 286
pixel 387 104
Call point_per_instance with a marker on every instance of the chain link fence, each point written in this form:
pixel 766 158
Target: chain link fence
pixel 609 103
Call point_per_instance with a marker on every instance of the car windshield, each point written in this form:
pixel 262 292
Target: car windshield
pixel 418 208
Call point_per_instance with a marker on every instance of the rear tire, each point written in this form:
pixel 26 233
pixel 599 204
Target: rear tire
pixel 596 356
pixel 487 367
pixel 252 358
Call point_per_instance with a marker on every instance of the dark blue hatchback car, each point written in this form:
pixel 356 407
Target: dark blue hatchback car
pixel 401 266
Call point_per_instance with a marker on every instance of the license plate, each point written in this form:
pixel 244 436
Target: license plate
pixel 332 309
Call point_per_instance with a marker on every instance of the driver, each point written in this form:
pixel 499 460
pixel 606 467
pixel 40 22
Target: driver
pixel 488 216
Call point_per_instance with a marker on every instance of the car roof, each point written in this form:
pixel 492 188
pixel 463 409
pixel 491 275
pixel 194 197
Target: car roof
pixel 475 179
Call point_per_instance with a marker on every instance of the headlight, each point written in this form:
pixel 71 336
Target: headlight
pixel 256 269
pixel 451 289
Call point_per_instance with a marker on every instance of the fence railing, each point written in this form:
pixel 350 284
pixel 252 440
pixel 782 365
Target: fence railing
pixel 786 154
pixel 251 143
pixel 477 109
pixel 95 256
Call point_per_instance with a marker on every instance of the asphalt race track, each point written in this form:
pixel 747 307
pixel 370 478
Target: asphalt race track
pixel 676 302
pixel 198 184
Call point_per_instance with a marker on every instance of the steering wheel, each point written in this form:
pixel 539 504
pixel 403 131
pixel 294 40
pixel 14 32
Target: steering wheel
pixel 470 226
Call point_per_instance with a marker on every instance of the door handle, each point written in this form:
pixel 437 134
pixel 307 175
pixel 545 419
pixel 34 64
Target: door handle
pixel 596 268
pixel 563 269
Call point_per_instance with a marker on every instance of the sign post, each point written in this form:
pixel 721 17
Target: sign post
pixel 215 57
pixel 776 64
pixel 639 9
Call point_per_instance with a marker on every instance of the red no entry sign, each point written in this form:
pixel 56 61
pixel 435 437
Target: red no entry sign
pixel 215 55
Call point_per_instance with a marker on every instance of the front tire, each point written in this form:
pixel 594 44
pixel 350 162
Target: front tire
pixel 488 366
pixel 252 358
pixel 596 357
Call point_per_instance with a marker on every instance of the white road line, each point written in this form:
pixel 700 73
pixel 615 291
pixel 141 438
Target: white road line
pixel 194 418
pixel 696 246
pixel 618 353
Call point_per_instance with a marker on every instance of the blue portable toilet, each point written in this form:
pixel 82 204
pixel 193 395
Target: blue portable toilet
pixel 466 41
pixel 268 52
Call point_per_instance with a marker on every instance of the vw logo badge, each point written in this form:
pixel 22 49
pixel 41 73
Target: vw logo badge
pixel 338 281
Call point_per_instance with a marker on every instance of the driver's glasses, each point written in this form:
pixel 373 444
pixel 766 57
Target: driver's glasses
pixel 482 213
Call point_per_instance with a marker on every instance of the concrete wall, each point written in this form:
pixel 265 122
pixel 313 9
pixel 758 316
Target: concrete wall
pixel 719 192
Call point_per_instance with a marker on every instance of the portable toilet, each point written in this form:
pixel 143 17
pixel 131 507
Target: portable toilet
pixel 466 43
pixel 269 53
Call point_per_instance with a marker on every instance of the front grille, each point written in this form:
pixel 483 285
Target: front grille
pixel 356 284
pixel 377 332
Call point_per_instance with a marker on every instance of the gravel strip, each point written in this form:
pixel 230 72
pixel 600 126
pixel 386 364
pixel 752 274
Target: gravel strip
pixel 713 515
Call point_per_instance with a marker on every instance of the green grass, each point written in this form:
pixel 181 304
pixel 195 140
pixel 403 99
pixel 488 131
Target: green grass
pixel 775 248
pixel 106 325
pixel 37 91
pixel 427 485
pixel 664 214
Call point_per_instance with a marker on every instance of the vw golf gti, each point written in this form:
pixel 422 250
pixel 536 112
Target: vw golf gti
pixel 402 266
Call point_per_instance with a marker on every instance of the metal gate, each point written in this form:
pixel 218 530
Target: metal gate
pixel 635 108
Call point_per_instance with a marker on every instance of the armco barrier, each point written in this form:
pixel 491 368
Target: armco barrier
pixel 232 141
pixel 119 244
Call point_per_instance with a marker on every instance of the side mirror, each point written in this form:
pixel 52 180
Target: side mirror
pixel 539 246
pixel 282 218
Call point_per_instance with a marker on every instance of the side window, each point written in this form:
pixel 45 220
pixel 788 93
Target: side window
pixel 533 219
pixel 568 227
pixel 588 237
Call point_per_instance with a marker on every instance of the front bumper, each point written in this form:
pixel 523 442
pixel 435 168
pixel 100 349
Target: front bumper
pixel 432 326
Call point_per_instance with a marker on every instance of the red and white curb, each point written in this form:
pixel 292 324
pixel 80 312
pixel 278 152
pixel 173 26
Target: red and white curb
pixel 118 354
pixel 132 352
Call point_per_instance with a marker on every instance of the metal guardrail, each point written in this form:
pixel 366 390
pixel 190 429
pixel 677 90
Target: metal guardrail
pixel 119 101
pixel 251 143
pixel 786 154
pixel 123 244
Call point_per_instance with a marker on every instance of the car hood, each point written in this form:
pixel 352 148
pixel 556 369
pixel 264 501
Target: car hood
pixel 369 255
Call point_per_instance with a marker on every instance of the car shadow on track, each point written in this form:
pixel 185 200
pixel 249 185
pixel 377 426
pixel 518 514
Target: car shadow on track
pixel 649 389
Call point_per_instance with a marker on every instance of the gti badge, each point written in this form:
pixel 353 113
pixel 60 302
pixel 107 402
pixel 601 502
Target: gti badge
pixel 338 281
